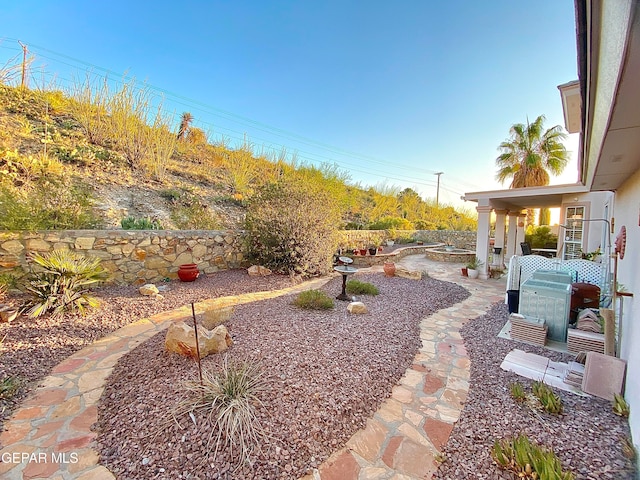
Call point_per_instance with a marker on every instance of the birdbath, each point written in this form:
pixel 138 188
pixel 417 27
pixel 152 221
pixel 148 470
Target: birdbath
pixel 345 270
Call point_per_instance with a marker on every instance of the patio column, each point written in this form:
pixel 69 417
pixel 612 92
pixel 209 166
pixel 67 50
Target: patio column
pixel 511 236
pixel 520 235
pixel 499 240
pixel 482 240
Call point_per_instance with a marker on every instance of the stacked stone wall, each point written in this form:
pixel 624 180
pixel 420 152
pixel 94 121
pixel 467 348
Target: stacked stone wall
pixel 140 256
pixel 130 256
pixel 363 238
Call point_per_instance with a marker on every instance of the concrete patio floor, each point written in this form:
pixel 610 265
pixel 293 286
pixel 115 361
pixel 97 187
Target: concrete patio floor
pixel 50 435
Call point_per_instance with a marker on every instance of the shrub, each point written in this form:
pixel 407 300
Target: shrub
pixel 387 223
pixel 291 227
pixel 517 392
pixel 540 237
pixel 8 387
pixel 620 406
pixel 132 223
pixel 551 402
pixel 356 287
pixel 314 300
pixel 528 460
pixel 228 400
pixel 190 213
pixel 62 284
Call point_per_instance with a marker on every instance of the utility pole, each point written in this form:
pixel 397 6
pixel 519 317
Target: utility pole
pixel 438 189
pixel 24 65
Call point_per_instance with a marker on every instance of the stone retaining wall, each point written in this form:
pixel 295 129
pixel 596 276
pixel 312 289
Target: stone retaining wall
pixel 140 256
pixel 131 256
pixel 359 238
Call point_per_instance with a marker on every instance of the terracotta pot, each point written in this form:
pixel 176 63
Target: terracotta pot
pixel 363 251
pixel 389 269
pixel 465 273
pixel 188 272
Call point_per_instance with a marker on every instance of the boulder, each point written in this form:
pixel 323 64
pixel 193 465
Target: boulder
pixel 410 274
pixel 7 313
pixel 181 339
pixel 258 271
pixel 215 316
pixel 357 308
pixel 149 289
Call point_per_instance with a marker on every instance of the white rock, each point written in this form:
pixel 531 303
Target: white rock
pixel 148 289
pixel 258 271
pixel 181 339
pixel 357 308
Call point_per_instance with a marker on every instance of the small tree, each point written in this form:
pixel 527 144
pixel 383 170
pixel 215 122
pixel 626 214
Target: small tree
pixel 291 227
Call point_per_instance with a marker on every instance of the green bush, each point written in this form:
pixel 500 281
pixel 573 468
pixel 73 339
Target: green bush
pixel 356 287
pixel 528 460
pixel 314 300
pixel 62 283
pixel 291 227
pixel 540 237
pixel 132 223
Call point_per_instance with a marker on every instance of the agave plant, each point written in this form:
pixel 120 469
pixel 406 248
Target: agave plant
pixel 62 283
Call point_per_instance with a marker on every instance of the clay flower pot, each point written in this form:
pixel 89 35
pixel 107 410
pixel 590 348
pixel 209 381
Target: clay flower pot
pixel 363 251
pixel 188 272
pixel 389 269
pixel 465 272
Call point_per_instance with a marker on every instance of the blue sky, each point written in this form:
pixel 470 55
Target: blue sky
pixel 390 91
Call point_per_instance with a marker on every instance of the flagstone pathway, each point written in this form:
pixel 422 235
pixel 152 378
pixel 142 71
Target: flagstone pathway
pixel 50 435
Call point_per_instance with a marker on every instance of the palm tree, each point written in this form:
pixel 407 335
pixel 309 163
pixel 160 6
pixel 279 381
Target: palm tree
pixel 185 123
pixel 531 153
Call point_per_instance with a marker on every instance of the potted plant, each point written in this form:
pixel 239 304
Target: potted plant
pixel 473 266
pixel 448 245
pixel 390 243
pixel 373 249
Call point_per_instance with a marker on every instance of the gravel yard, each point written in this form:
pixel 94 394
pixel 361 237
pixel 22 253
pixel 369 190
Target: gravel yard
pixel 328 372
pixel 588 438
pixel 32 347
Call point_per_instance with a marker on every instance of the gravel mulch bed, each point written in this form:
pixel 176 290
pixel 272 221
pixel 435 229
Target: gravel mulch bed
pixel 328 372
pixel 588 437
pixel 32 347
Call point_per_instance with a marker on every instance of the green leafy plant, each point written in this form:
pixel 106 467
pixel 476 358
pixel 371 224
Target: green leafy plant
pixel 132 223
pixel 517 392
pixel 291 228
pixel 356 287
pixel 475 264
pixel 314 300
pixel 551 402
pixel 8 387
pixel 227 399
pixel 620 406
pixel 528 460
pixel 62 283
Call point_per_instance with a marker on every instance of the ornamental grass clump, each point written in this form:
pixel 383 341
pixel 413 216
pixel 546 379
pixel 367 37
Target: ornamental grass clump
pixel 227 399
pixel 528 460
pixel 356 287
pixel 314 300
pixel 62 283
pixel 551 402
pixel 620 406
pixel 517 392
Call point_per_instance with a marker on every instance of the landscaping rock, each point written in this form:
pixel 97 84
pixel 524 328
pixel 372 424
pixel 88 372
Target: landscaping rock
pixel 258 271
pixel 181 339
pixel 216 316
pixel 410 274
pixel 357 308
pixel 148 289
pixel 7 313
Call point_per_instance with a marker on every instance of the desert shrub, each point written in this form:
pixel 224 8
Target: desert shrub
pixel 540 237
pixel 190 213
pixel 171 194
pixel 8 387
pixel 314 300
pixel 528 460
pixel 132 223
pixel 228 399
pixel 620 406
pixel 517 392
pixel 387 223
pixel 291 227
pixel 62 282
pixel 551 402
pixel 356 287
